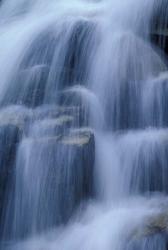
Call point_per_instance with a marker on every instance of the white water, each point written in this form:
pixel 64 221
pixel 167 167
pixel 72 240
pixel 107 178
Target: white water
pixel 96 54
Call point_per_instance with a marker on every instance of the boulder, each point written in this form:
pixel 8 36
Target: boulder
pixel 57 152
pixel 153 235
pixel 154 225
pixel 63 166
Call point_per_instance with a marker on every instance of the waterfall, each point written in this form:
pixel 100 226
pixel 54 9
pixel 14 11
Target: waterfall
pixel 83 125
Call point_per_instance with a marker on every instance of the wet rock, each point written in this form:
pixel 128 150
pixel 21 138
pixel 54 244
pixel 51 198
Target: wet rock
pixel 155 224
pixel 155 101
pixel 153 235
pixel 63 119
pixel 160 39
pixel 57 112
pixel 12 123
pixel 63 166
pixel 154 242
pixel 53 111
pixel 77 53
pixel 159 15
pixel 54 149
pixel 28 87
pixel 74 45
pixel 147 170
pixel 53 127
pixel 159 26
pixel 10 135
pixel 60 114
pixel 41 50
pixel 81 144
pixel 78 137
pixel 73 41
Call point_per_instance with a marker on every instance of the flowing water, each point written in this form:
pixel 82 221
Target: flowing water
pixel 92 60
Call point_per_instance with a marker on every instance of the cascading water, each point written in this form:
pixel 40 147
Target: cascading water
pixel 83 125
